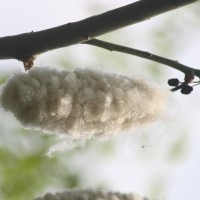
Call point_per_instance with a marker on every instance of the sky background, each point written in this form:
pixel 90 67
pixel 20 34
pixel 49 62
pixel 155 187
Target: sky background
pixel 168 165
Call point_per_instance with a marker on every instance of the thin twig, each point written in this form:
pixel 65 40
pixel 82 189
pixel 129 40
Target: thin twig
pixel 143 54
pixel 24 46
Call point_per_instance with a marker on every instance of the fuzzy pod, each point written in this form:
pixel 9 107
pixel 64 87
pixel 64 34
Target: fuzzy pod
pixel 81 103
pixel 76 194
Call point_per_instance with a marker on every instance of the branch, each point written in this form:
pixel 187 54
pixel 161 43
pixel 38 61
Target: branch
pixel 143 54
pixel 24 46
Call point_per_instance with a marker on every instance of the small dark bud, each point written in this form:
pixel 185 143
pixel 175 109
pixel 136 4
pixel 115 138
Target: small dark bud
pixel 173 82
pixel 186 89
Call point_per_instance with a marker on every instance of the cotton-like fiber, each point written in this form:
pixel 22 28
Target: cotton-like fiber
pixel 81 103
pixel 76 194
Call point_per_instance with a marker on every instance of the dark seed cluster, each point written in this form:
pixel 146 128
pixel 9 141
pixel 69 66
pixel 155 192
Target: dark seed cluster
pixel 184 87
pixel 173 82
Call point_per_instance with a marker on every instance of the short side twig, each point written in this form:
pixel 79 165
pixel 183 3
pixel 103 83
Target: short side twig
pixel 143 54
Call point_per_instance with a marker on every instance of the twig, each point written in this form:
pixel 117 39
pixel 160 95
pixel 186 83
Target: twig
pixel 26 45
pixel 172 63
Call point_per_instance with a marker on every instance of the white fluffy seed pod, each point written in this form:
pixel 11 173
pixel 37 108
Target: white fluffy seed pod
pixel 76 194
pixel 81 103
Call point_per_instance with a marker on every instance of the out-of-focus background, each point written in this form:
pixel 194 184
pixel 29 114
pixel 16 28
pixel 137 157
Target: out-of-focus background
pixel 161 160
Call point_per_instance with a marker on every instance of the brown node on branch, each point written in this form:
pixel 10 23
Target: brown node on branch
pixel 189 77
pixel 28 62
